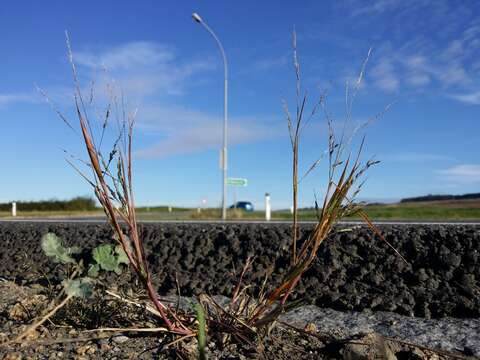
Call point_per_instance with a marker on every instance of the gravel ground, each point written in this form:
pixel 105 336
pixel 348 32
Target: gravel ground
pixel 331 334
pixel 354 270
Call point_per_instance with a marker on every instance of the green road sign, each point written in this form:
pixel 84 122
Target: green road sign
pixel 237 182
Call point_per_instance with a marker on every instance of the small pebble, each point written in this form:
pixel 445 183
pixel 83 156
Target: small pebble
pixel 13 356
pixel 105 347
pixel 120 339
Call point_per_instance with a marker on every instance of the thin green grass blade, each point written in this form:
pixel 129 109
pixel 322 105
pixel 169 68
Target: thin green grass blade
pixel 202 332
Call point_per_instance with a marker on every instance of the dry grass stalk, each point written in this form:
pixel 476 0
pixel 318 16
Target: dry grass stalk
pixel 295 127
pixel 344 172
pixel 38 323
pixel 112 183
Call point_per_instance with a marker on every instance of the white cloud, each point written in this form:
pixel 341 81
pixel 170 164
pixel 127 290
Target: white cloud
pixel 375 6
pixel 154 80
pixel 418 79
pixel 270 63
pixel 369 8
pixel 440 54
pixel 145 68
pixel 423 66
pixel 453 75
pixel 462 174
pixel 454 51
pixel 384 76
pixel 190 131
pixel 418 74
pixel 472 31
pixel 416 62
pixel 476 66
pixel 468 98
pixel 126 56
pixel 8 99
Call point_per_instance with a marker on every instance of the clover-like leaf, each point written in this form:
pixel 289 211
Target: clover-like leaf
pixel 79 287
pixel 52 247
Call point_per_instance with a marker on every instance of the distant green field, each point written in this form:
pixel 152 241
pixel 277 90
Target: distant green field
pixel 434 210
pixel 423 212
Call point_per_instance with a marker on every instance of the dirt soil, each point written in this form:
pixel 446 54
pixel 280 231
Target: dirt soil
pixel 354 270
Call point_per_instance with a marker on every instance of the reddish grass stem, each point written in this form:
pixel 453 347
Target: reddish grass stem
pixel 115 193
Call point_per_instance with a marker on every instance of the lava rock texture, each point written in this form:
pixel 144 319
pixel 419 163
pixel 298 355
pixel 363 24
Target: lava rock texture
pixel 355 270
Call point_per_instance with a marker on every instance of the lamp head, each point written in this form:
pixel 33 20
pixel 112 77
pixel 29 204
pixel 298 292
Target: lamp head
pixel 197 18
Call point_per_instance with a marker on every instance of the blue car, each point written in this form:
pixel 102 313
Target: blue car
pixel 243 205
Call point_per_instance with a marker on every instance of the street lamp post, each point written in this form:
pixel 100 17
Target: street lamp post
pixel 199 20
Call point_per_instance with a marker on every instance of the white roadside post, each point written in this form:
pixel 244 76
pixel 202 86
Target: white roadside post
pixel 14 209
pixel 268 208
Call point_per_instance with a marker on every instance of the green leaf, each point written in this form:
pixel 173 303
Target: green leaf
pixel 93 270
pixel 122 257
pixel 74 250
pixel 52 247
pixel 105 257
pixel 109 258
pixel 79 288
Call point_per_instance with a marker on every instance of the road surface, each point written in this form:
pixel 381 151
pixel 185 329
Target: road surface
pixel 353 222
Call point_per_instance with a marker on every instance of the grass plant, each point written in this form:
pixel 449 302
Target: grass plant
pixel 246 316
pixel 345 173
pixel 112 182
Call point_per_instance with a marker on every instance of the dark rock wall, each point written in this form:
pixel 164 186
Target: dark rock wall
pixel 354 270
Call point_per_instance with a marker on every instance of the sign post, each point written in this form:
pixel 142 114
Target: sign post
pixel 237 182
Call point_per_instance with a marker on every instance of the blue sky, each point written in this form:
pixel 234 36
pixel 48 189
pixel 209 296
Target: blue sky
pixel 425 59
